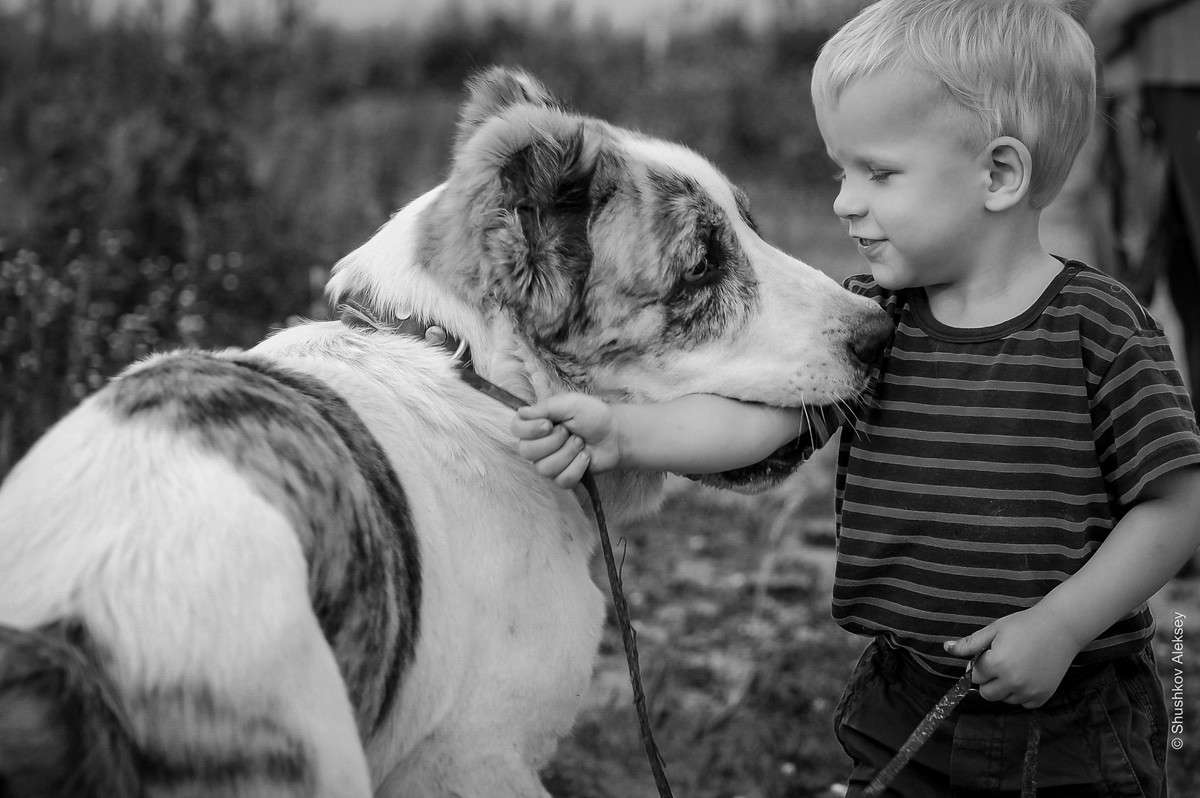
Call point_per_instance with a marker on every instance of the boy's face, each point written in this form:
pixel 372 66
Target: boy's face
pixel 911 190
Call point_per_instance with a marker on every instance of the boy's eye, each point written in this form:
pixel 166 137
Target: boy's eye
pixel 880 175
pixel 839 175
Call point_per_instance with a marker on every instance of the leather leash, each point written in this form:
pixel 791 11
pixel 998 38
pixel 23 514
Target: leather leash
pixel 941 710
pixel 355 315
pixel 628 635
pixel 920 735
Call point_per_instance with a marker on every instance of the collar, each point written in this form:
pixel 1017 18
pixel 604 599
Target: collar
pixel 357 316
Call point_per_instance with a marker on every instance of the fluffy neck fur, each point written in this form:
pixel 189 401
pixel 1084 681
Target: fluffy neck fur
pixel 386 276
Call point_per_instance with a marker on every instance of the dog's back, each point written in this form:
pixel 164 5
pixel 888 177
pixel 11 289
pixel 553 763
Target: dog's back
pixel 247 581
pixel 187 580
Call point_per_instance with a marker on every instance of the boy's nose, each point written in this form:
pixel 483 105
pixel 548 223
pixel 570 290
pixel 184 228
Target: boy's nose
pixel 846 204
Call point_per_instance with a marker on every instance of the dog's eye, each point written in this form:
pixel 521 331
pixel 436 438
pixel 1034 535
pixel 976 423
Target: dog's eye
pixel 700 272
pixel 697 271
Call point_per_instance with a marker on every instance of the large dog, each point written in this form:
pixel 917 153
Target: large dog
pixel 318 567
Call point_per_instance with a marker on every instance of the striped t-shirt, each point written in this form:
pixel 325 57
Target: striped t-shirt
pixel 988 464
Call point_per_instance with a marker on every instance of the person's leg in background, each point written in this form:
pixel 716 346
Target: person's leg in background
pixel 1176 116
pixel 1173 244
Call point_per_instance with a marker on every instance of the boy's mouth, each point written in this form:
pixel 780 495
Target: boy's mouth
pixel 868 242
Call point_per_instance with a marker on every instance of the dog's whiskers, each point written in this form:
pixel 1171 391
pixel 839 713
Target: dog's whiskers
pixel 853 412
pixel 805 413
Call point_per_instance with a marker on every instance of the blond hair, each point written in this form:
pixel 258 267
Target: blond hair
pixel 1020 68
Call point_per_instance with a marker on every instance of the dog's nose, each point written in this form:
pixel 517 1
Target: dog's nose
pixel 867 342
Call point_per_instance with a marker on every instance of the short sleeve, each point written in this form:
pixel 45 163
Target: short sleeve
pixel 1143 422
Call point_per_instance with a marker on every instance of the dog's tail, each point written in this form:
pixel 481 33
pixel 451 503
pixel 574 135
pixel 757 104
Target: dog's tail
pixel 63 733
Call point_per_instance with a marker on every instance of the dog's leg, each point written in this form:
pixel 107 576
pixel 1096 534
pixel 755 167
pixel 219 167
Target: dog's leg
pixel 262 704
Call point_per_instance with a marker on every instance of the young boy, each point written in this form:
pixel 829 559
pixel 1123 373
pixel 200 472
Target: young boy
pixel 1025 474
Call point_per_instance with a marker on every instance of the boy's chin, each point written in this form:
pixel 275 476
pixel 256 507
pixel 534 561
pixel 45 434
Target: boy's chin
pixel 890 278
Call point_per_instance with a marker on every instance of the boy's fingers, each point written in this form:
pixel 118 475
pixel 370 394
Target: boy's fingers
pixel 972 644
pixel 556 462
pixel 981 674
pixel 994 691
pixel 531 411
pixel 540 447
pixel 565 406
pixel 573 473
pixel 560 407
pixel 528 429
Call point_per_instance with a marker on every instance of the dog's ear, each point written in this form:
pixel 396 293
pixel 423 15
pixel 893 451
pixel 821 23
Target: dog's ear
pixel 526 170
pixel 493 90
pixel 539 248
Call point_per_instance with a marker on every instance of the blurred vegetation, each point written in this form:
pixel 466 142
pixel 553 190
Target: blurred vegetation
pixel 186 183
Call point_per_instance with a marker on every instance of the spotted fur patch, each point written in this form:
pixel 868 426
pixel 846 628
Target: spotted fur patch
pixel 308 453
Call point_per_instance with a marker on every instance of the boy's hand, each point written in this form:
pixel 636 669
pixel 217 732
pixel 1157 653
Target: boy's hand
pixel 554 450
pixel 1022 657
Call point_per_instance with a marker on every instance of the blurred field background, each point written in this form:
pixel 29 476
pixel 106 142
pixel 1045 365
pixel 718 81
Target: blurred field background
pixel 173 174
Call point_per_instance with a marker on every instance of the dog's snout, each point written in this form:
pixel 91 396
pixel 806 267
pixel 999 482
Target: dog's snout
pixel 869 338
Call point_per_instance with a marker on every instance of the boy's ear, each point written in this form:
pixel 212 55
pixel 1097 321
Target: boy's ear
pixel 1010 170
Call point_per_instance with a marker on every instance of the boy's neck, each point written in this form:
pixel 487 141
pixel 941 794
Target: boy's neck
pixel 1003 277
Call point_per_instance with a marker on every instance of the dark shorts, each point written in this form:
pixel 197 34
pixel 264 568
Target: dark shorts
pixel 1103 733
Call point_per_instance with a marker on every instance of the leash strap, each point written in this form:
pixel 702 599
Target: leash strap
pixel 941 710
pixel 628 636
pixel 629 639
pixel 920 735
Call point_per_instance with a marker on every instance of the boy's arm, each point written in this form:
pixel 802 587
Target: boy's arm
pixel 1023 656
pixel 701 434
pixel 1145 549
pixel 695 434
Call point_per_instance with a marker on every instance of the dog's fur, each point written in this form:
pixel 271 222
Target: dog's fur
pixel 226 569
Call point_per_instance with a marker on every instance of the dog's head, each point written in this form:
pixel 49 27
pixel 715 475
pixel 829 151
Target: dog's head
pixel 628 266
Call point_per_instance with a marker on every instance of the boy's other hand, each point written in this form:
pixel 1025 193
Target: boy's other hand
pixel 1021 657
pixel 585 437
